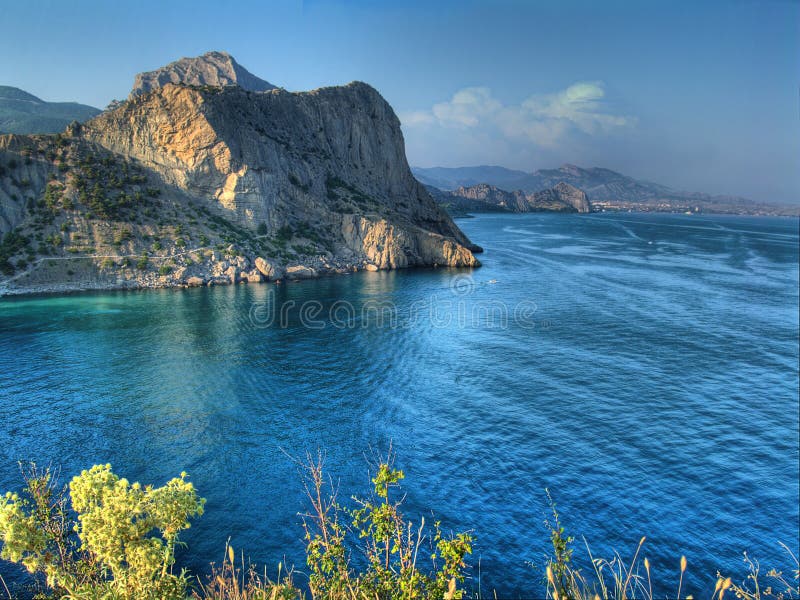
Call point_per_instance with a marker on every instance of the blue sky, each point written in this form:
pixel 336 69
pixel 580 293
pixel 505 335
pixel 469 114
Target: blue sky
pixel 701 96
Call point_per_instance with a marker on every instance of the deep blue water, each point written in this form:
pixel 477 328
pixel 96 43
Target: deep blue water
pixel 644 368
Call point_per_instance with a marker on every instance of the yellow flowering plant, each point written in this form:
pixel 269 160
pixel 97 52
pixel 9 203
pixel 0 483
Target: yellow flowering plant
pixel 117 541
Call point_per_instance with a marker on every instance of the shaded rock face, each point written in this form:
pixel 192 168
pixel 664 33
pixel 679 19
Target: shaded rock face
pixel 16 184
pixel 493 196
pixel 216 69
pixel 561 195
pixel 562 198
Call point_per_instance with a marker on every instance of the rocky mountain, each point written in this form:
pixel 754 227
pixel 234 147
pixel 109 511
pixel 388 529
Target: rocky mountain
pixel 599 184
pixel 562 197
pixel 21 112
pixel 459 206
pixel 215 69
pixel 200 184
pixel 606 188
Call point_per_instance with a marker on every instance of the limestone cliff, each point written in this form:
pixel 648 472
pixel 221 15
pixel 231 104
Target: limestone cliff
pixel 560 195
pixel 215 69
pixel 190 185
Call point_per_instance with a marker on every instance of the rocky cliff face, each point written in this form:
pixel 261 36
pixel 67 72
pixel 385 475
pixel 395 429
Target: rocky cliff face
pixel 196 184
pixel 215 69
pixel 330 158
pixel 562 198
pixel 492 196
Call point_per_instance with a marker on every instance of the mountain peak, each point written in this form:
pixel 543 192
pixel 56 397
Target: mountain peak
pixel 216 68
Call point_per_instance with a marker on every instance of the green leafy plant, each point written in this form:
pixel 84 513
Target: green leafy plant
pixel 389 541
pixel 112 539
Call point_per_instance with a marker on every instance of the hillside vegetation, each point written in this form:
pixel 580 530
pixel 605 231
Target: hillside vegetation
pixel 21 112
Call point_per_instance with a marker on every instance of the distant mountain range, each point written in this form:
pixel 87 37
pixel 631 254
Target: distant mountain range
pixel 606 189
pixel 482 197
pixel 21 112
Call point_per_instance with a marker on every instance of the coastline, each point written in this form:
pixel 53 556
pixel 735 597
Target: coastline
pixel 158 283
pixel 99 280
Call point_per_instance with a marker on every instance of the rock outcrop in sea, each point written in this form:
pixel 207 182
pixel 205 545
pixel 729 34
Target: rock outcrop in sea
pixel 208 182
pixel 562 197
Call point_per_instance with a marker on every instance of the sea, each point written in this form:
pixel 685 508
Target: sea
pixel 642 369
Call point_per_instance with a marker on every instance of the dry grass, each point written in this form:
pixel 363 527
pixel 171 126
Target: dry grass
pixel 231 582
pixel 616 579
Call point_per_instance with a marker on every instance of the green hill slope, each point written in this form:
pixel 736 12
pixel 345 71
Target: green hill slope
pixel 21 112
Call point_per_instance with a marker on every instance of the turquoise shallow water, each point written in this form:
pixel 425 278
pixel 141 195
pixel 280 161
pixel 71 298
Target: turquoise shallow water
pixel 644 368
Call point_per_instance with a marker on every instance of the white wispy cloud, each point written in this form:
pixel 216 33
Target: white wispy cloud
pixel 467 107
pixel 543 119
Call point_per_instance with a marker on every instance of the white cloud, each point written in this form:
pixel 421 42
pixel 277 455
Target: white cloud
pixel 467 108
pixel 543 119
pixel 416 117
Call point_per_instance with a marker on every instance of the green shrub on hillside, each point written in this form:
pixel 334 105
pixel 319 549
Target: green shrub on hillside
pixel 284 234
pixel 12 243
pixel 378 530
pixel 295 181
pixel 106 185
pixel 122 235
